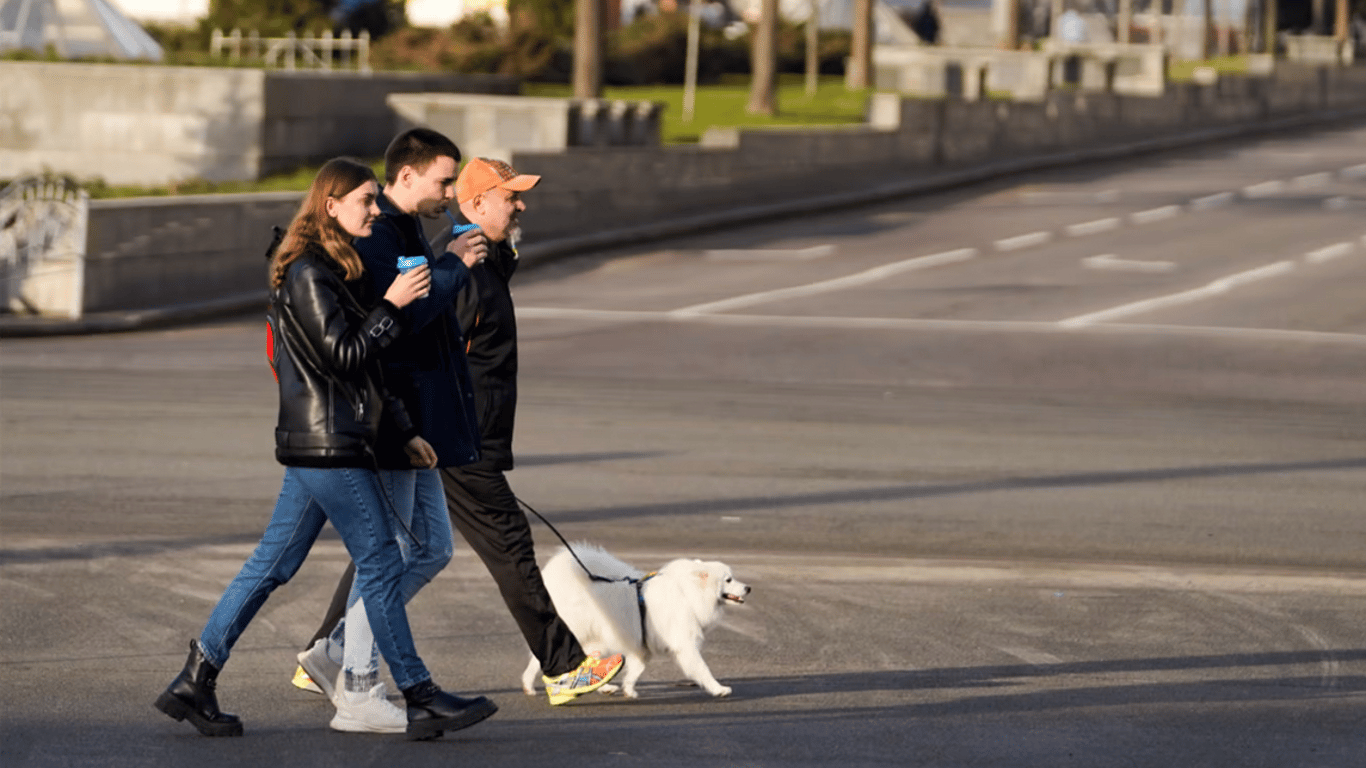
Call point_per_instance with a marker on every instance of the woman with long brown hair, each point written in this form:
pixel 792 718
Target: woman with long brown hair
pixel 329 334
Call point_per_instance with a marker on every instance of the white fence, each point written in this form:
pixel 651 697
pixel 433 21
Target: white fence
pixel 42 246
pixel 324 52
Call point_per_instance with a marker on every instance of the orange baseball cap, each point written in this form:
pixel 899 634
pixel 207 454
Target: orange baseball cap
pixel 481 174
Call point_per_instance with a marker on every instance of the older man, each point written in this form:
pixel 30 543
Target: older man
pixel 482 505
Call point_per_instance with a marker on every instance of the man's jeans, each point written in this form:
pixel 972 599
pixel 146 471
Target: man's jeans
pixel 353 501
pixel 426 541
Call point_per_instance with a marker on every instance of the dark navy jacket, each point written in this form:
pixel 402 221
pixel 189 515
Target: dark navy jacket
pixel 426 366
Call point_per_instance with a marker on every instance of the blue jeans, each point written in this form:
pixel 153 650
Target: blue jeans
pixel 353 501
pixel 426 540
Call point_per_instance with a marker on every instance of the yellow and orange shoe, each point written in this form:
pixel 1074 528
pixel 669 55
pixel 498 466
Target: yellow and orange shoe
pixel 303 681
pixel 592 674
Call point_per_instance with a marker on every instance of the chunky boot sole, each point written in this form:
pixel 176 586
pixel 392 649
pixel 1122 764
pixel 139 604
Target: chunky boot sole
pixel 179 710
pixel 422 730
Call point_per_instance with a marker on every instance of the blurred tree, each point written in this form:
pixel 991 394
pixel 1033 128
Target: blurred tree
pixel 861 53
pixel 273 18
pixel 553 17
pixel 763 84
pixel 588 47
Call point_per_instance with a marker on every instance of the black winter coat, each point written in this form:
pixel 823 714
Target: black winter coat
pixel 327 345
pixel 484 311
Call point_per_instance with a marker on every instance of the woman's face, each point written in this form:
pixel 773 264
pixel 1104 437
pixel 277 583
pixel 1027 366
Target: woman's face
pixel 357 210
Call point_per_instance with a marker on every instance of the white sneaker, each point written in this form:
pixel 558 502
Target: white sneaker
pixel 321 669
pixel 370 712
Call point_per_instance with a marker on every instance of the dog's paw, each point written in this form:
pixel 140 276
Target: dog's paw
pixel 608 689
pixel 529 691
pixel 630 693
pixel 721 691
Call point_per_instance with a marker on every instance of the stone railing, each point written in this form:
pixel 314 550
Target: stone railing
pixel 974 73
pixel 42 246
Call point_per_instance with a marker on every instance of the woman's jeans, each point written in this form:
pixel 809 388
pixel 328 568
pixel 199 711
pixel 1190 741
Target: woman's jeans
pixel 352 499
pixel 426 540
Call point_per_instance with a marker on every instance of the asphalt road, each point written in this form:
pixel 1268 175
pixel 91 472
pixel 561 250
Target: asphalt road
pixel 1066 469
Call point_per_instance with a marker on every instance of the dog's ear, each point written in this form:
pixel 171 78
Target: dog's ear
pixel 702 575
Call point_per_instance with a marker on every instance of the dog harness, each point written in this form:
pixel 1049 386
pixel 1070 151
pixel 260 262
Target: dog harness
pixel 640 599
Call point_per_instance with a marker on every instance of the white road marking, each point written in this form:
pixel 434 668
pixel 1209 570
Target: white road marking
pixel 1023 241
pixel 1311 180
pixel 1334 251
pixel 1337 203
pixel 1064 196
pixel 772 254
pixel 570 313
pixel 825 286
pixel 1264 189
pixel 1156 214
pixel 928 324
pixel 1353 171
pixel 1092 227
pixel 1030 656
pixel 1212 201
pixel 1111 261
pixel 1220 286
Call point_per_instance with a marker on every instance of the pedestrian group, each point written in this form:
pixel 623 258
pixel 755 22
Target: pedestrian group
pixel 398 390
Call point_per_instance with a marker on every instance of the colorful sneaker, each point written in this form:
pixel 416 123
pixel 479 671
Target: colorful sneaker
pixel 369 712
pixel 591 675
pixel 322 671
pixel 303 682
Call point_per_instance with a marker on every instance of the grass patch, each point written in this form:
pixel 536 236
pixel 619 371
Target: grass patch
pixel 1184 71
pixel 723 104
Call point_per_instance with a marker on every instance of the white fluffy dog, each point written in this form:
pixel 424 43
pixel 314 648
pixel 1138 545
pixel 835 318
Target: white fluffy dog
pixel 679 602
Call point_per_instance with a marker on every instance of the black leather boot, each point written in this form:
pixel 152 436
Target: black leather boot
pixel 192 695
pixel 432 711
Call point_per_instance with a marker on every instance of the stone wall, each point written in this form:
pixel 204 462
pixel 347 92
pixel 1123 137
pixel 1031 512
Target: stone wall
pixel 152 125
pixel 158 251
pixel 152 252
pixel 584 189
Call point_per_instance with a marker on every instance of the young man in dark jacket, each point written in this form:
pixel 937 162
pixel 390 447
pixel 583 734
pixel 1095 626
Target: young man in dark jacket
pixel 426 370
pixel 482 505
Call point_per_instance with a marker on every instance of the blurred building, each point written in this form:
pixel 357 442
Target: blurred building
pixel 165 11
pixel 74 29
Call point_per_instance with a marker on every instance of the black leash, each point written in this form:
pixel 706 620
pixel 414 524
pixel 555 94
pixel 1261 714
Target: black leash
pixel 639 584
pixel 560 536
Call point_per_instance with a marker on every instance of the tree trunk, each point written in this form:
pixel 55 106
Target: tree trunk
pixel 813 41
pixel 587 49
pixel 1207 31
pixel 861 47
pixel 763 88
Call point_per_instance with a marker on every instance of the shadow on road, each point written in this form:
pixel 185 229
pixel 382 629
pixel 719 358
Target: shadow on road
pixel 143 547
pixel 918 491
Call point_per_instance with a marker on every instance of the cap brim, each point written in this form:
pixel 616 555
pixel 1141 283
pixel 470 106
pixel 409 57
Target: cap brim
pixel 521 182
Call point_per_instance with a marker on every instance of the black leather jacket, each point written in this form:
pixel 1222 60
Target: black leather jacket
pixel 331 389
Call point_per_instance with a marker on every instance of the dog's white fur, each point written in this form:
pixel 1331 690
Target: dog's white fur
pixel 682 600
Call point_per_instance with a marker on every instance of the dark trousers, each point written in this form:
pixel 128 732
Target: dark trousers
pixel 485 511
